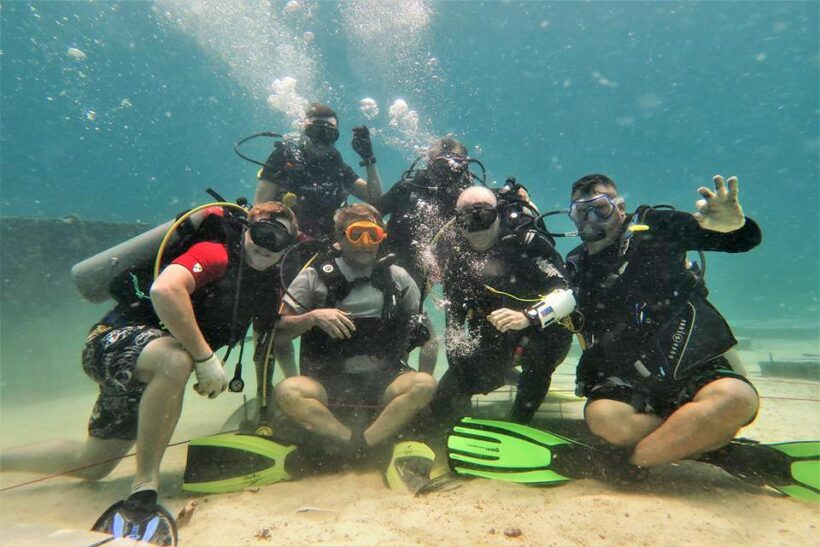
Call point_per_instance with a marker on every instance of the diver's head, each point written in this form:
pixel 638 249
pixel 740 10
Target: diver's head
pixel 477 217
pixel 320 130
pixel 447 166
pixel 359 233
pixel 597 209
pixel 272 228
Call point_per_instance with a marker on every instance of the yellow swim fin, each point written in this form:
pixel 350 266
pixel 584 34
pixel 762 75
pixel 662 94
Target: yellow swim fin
pixel 410 466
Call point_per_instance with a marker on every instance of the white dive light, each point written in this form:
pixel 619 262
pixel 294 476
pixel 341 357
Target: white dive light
pixel 553 307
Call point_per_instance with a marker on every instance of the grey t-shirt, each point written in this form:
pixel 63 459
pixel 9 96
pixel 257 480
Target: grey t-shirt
pixel 364 300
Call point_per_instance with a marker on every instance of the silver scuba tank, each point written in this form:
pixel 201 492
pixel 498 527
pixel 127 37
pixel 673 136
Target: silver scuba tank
pixel 93 276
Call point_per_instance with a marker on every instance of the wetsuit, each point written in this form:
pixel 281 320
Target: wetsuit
pixel 653 339
pixel 320 185
pixel 112 348
pixel 381 301
pixel 479 356
pixel 418 208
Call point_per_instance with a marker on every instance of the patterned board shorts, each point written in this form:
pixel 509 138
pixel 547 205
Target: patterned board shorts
pixel 109 358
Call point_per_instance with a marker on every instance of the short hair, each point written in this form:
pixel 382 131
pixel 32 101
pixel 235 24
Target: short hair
pixel 358 211
pixel 319 110
pixel 587 184
pixel 273 209
pixel 447 146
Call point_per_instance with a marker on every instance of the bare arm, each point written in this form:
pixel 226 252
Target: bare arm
pixel 171 297
pixel 265 191
pixel 370 190
pixel 336 323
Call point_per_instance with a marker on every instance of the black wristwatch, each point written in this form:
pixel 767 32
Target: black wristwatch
pixel 369 161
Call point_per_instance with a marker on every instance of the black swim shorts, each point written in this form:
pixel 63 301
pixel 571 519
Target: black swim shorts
pixel 109 358
pixel 662 399
pixel 364 389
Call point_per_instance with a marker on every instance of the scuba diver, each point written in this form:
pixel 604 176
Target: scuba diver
pixel 658 368
pixel 418 206
pixel 505 291
pixel 311 173
pixel 209 288
pixel 353 313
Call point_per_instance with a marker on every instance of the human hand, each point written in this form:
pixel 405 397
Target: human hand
pixel 506 319
pixel 210 377
pixel 720 210
pixel 362 144
pixel 335 323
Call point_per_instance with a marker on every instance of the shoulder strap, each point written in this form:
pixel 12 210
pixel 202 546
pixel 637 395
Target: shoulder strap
pixel 337 286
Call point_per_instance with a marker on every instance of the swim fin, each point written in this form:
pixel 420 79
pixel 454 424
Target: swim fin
pixel 791 468
pixel 143 522
pixel 232 462
pixel 409 467
pixel 513 452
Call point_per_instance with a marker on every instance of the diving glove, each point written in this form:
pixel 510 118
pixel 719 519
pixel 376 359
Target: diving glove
pixel 210 377
pixel 362 144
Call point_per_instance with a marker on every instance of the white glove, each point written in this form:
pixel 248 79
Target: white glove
pixel 210 377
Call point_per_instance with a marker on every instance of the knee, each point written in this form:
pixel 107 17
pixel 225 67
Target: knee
pixel 423 389
pixel 737 402
pixel 176 369
pixel 292 390
pixel 610 428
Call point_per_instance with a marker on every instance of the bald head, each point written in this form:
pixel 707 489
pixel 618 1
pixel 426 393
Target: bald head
pixel 476 194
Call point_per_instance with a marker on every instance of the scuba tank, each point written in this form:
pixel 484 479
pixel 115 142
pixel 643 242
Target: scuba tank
pixel 93 275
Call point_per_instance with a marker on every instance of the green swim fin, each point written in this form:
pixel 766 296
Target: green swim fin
pixel 791 468
pixel 231 462
pixel 515 453
pixel 410 466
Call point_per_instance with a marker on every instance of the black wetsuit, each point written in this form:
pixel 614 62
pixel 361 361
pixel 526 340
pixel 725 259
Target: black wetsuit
pixel 479 356
pixel 649 330
pixel 418 208
pixel 321 185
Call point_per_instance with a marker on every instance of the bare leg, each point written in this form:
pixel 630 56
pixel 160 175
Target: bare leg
pixel 712 419
pixel 428 353
pixel 305 400
pixel 165 367
pixel 71 456
pixel 405 396
pixel 618 423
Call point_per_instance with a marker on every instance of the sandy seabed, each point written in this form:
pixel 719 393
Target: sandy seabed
pixel 682 504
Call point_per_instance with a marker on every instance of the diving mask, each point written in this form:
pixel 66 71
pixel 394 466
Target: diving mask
pixel 365 233
pixel 448 165
pixel 270 234
pixel 602 206
pixel 321 132
pixel 476 217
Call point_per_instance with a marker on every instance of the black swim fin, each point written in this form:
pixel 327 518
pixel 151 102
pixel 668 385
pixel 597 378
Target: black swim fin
pixel 791 468
pixel 513 452
pixel 140 521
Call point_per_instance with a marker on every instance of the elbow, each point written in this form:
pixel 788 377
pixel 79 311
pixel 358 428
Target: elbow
pixel 162 291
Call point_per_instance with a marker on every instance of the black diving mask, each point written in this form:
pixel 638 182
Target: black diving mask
pixel 322 132
pixel 476 217
pixel 271 235
pixel 448 166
